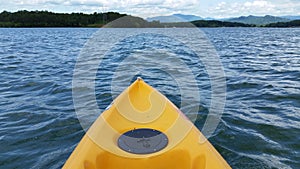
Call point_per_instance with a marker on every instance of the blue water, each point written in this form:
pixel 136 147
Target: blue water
pixel 260 126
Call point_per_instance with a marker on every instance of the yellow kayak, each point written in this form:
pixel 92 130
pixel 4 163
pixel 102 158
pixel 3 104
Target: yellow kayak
pixel 142 129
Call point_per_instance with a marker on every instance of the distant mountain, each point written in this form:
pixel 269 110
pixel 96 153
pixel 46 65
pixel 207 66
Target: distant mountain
pixel 291 17
pixel 175 18
pixel 209 19
pixel 258 20
pixel 132 22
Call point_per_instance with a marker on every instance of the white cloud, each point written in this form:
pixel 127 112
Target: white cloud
pixel 257 4
pixel 146 8
pixel 142 8
pixel 255 7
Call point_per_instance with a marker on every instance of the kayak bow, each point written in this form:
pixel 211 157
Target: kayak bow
pixel 142 129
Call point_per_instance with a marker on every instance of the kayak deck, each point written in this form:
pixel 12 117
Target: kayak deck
pixel 142 129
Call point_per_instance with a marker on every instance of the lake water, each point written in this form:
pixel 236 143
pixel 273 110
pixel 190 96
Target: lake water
pixel 260 125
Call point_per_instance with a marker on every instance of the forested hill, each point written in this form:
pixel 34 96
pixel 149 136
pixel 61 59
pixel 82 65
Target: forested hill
pixel 295 23
pixel 49 19
pixel 215 23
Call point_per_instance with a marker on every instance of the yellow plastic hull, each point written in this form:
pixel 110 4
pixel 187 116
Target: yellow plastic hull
pixel 141 106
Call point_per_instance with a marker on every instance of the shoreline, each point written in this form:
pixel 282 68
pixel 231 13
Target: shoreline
pixel 259 27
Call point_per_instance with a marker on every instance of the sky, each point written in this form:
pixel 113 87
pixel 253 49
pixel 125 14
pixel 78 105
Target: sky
pixel 150 8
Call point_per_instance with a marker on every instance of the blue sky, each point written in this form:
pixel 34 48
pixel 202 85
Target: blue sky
pixel 146 8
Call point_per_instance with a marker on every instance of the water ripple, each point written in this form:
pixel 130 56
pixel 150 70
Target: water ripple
pixel 260 126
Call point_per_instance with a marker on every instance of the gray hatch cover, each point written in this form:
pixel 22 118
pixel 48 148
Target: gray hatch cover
pixel 143 141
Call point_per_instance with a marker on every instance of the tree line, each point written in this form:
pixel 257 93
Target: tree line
pixel 50 19
pixel 294 23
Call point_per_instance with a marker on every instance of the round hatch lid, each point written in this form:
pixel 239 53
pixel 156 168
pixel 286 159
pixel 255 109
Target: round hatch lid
pixel 143 141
